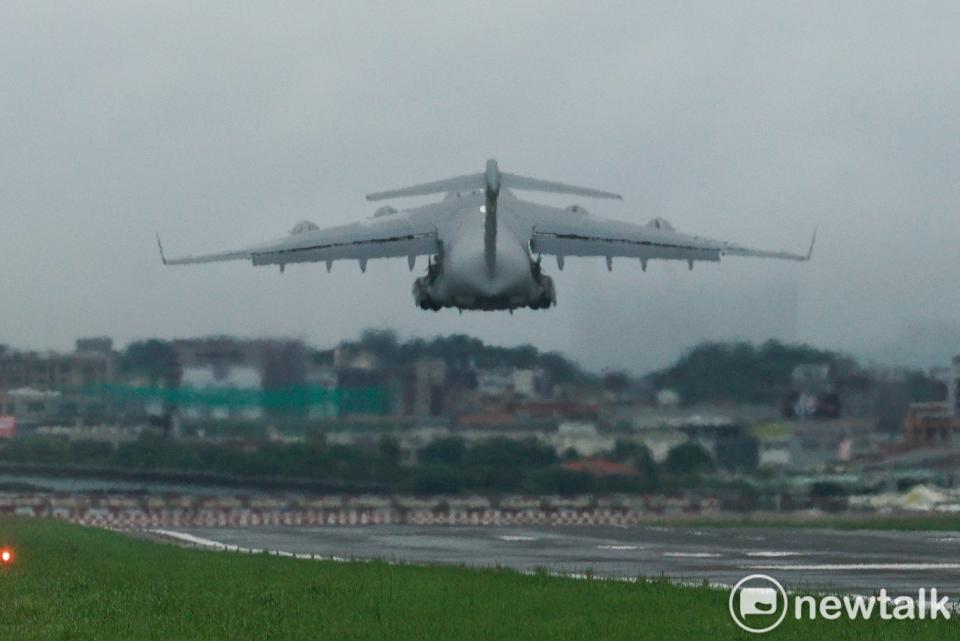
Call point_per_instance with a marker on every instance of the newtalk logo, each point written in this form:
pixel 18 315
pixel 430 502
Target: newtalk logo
pixel 758 604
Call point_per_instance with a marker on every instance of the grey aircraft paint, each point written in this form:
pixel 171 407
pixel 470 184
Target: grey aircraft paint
pixel 484 244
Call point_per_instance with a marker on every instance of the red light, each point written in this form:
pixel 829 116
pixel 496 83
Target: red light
pixel 6 556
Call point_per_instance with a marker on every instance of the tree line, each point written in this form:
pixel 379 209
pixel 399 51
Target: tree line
pixel 445 466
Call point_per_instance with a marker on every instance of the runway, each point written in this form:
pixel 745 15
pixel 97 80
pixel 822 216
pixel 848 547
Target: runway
pixel 850 561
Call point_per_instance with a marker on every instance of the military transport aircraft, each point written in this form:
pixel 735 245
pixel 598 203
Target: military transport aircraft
pixel 481 241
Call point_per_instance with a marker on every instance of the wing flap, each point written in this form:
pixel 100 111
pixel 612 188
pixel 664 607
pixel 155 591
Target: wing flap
pixel 386 247
pixel 394 237
pixel 567 233
pixel 576 245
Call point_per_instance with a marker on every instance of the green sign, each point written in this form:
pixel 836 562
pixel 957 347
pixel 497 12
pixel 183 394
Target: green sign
pixel 353 400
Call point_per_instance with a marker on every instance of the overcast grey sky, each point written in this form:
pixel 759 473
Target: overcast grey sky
pixel 226 123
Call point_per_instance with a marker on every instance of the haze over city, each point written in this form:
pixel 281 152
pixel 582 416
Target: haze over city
pixel 246 387
pixel 218 127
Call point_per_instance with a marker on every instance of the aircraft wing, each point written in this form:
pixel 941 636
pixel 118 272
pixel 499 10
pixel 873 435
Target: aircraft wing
pixel 385 237
pixel 573 232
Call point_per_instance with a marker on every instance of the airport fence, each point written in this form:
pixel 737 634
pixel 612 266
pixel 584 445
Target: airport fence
pixel 138 512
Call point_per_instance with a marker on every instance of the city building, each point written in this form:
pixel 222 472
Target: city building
pixel 220 392
pixel 53 387
pixel 931 424
pixel 84 368
pixel 953 387
pixel 429 383
pixel 935 424
pixel 510 381
pixel 581 437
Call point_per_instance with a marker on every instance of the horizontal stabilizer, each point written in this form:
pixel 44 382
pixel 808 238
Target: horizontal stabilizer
pixel 535 184
pixel 459 183
pixel 491 181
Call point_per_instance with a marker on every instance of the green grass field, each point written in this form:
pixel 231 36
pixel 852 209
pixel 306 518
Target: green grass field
pixel 70 582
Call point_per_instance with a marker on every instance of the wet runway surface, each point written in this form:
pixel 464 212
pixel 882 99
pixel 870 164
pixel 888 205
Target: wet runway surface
pixel 855 561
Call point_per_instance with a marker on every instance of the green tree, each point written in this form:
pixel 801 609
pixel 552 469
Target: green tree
pixel 616 382
pixel 515 453
pixel 389 449
pixel 827 489
pixel 436 479
pixel 383 343
pixel 558 480
pixel 448 451
pixel 639 456
pixel 688 458
pixel 738 452
pixel 627 451
pixel 738 372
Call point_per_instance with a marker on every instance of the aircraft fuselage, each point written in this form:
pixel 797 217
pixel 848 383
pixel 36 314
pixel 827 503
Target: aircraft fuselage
pixel 465 277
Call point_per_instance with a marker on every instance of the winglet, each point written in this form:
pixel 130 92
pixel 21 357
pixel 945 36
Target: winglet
pixel 163 258
pixel 813 241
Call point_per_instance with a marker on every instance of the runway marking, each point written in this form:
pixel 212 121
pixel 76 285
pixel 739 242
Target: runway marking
pixel 692 555
pixel 196 540
pixel 226 547
pixel 616 547
pixel 857 566
pixel 220 546
pixel 516 537
pixel 770 554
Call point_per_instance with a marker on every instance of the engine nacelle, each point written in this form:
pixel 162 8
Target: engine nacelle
pixel 660 223
pixel 386 210
pixel 302 227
